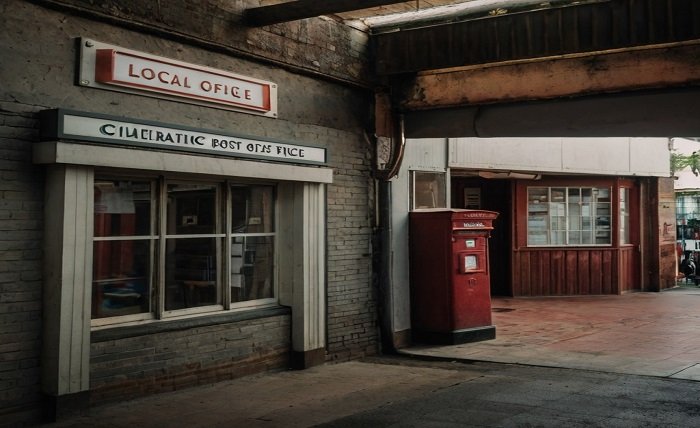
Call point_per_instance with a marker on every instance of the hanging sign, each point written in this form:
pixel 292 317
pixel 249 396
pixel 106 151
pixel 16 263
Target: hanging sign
pixel 111 67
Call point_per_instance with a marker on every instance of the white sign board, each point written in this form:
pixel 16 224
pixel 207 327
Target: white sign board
pixel 115 68
pixel 66 124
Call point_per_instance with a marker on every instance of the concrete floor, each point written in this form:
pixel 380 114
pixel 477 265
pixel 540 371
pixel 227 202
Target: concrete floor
pixel 640 353
pixel 653 334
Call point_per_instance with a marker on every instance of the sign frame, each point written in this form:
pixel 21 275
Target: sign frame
pixel 86 127
pixel 99 68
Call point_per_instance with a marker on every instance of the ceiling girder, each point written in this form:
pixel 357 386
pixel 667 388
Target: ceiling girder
pixel 300 9
pixel 660 66
pixel 659 113
pixel 569 29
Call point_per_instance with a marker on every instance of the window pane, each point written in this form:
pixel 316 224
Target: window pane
pixel 122 208
pixel 252 209
pixel 558 194
pixel 428 190
pixel 574 237
pixel 558 238
pixel 191 209
pixel 624 217
pixel 121 277
pixel 191 273
pixel 586 195
pixel 574 195
pixel 538 214
pixel 252 268
pixel 602 216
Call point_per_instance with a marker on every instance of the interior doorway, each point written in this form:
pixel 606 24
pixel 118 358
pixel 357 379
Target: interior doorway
pixel 491 195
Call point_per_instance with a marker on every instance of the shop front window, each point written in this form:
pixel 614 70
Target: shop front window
pixel 568 216
pixel 152 262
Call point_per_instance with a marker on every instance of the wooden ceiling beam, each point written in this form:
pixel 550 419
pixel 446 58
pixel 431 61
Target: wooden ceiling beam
pixel 300 9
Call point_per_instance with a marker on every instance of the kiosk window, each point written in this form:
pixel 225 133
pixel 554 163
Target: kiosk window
pixel 568 216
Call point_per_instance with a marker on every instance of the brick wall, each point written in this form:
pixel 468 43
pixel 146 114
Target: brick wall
pixel 38 48
pixel 352 315
pixel 21 224
pixel 151 363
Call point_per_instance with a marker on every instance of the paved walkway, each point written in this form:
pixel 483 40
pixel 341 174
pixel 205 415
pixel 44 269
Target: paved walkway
pixel 655 334
pixel 640 353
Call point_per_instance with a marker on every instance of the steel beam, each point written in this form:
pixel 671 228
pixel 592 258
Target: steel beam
pixel 665 66
pixel 300 9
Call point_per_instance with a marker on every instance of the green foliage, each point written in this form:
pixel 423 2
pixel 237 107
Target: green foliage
pixel 680 161
pixel 694 224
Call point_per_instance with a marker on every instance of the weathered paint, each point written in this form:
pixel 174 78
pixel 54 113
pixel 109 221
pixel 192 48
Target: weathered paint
pixel 657 67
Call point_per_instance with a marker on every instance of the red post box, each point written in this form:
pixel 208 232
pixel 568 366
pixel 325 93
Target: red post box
pixel 450 285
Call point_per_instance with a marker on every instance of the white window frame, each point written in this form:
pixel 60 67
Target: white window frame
pixel 624 209
pixel 217 235
pixel 228 244
pixel 412 189
pixel 562 222
pixel 154 237
pixel 223 236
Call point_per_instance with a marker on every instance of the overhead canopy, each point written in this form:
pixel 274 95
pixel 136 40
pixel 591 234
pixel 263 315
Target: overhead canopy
pixel 468 67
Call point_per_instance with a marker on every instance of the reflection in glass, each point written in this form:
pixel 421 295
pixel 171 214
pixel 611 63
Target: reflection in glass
pixel 122 208
pixel 190 276
pixel 191 209
pixel 252 209
pixel 428 190
pixel 252 268
pixel 121 272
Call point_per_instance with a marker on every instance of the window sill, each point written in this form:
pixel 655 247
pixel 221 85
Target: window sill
pixel 163 326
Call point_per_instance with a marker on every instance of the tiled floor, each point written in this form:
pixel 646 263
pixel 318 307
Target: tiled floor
pixel 655 334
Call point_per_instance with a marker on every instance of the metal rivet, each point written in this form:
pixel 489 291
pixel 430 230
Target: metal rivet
pixel 89 44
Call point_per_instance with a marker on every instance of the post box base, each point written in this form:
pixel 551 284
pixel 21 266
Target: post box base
pixel 455 337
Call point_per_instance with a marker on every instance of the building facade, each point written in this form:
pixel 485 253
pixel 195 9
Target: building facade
pixel 184 200
pixel 687 196
pixel 188 198
pixel 577 216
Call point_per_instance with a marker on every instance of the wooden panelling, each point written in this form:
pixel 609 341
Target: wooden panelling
pixel 579 271
pixel 628 267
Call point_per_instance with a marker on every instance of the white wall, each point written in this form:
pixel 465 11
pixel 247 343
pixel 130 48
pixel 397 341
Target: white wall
pixel 607 156
pixel 428 154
